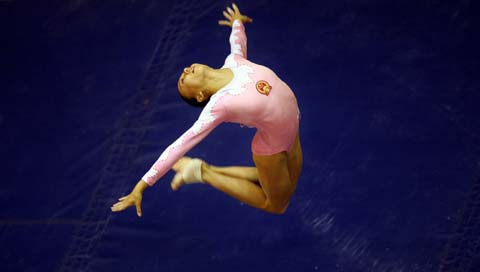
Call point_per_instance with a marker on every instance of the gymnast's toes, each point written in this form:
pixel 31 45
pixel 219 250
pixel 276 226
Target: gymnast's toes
pixel 180 164
pixel 177 181
pixel 176 185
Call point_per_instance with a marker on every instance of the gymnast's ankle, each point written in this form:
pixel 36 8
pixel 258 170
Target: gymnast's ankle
pixel 192 173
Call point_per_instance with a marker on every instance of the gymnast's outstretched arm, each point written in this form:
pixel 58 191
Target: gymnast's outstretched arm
pixel 238 39
pixel 210 118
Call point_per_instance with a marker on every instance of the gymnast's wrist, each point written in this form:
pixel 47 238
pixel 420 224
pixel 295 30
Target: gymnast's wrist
pixel 141 186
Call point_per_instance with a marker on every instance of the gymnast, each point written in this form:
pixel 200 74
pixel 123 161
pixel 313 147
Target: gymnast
pixel 239 92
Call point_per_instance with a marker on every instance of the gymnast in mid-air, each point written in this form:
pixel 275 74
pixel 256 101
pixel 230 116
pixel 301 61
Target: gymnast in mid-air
pixel 239 92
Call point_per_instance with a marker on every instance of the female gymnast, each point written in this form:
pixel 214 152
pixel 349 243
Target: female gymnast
pixel 240 92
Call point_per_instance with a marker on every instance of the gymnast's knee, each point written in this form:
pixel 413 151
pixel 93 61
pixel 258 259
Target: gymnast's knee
pixel 276 208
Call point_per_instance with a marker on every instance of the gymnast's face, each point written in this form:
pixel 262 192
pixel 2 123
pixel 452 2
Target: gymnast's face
pixel 192 81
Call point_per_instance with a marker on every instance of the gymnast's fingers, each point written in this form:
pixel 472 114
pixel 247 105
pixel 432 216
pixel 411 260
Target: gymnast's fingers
pixel 235 8
pixel 118 208
pixel 230 11
pixel 225 23
pixel 228 16
pixel 138 205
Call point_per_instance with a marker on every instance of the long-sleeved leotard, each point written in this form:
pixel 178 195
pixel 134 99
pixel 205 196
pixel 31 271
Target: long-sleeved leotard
pixel 255 97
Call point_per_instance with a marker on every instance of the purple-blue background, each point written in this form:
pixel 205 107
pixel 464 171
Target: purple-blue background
pixel 389 95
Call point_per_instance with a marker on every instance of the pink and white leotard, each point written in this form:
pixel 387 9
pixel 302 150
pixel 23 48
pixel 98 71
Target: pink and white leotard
pixel 255 97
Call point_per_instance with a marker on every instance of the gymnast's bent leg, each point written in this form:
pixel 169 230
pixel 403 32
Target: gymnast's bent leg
pixel 240 188
pixel 243 172
pixel 189 170
pixel 271 193
pixel 277 175
pixel 268 186
pixel 192 171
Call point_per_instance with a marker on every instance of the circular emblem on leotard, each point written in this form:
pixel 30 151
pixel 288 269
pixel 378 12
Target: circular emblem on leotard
pixel 263 87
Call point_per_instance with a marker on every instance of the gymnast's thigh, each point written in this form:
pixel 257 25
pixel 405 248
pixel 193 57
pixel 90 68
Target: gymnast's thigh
pixel 295 161
pixel 274 177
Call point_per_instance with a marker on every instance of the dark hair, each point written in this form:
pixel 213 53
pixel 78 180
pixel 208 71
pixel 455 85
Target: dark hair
pixel 193 102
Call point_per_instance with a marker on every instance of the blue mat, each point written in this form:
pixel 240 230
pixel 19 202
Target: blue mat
pixel 389 96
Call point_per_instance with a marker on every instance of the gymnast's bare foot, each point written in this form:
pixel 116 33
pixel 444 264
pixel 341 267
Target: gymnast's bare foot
pixel 177 180
pixel 188 171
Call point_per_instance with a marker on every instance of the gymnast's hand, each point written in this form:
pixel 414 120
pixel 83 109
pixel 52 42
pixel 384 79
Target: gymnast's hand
pixel 232 15
pixel 132 199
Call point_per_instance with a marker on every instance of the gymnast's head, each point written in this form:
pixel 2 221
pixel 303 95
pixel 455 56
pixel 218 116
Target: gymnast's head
pixel 193 84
